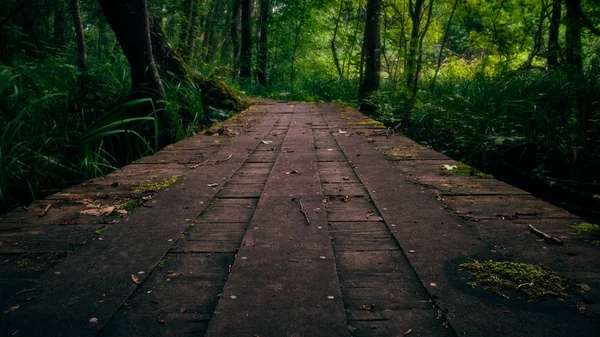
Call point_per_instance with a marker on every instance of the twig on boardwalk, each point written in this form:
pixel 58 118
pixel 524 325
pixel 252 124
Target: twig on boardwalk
pixel 216 162
pixel 45 211
pixel 545 236
pixel 303 211
pixel 224 160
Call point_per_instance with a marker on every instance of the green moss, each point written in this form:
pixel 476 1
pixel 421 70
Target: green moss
pixel 157 186
pixel 396 153
pixel 586 228
pixel 101 230
pixel 130 206
pixel 536 281
pixel 464 170
pixel 462 185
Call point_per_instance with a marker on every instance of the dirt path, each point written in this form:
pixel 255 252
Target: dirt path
pixel 291 219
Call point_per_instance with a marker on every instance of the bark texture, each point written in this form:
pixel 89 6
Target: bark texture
pixel 372 55
pixel 246 49
pixel 261 75
pixel 79 35
pixel 130 22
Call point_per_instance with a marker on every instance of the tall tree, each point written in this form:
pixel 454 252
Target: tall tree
pixel 246 49
pixel 553 46
pixel 263 50
pixel 372 48
pixel 130 22
pixel 415 11
pixel 79 35
pixel 234 32
pixel 60 23
pixel 336 59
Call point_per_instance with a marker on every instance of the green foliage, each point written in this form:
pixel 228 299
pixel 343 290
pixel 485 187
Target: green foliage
pixel 536 281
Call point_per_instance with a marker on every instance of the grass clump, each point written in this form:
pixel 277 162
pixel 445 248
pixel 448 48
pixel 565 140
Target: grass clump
pixel 464 170
pixel 586 228
pixel 536 281
pixel 158 186
pixel 130 206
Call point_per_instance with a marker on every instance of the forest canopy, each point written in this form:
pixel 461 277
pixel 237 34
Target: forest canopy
pixel 496 83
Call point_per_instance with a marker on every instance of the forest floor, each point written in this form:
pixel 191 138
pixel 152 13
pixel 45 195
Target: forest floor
pixel 296 219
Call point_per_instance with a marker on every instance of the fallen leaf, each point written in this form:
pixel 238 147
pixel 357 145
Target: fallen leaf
pixel 370 140
pixel 365 308
pixel 346 178
pixel 294 260
pixel 97 210
pixel 433 284
pixel 585 287
pixel 373 326
pixel 135 279
pixel 293 172
pixel 212 185
pixel 407 332
pixel 94 320
pixel 450 167
pixel 342 131
pixel 330 297
pixel 266 141
pixel 370 214
pixel 233 297
pixel 160 319
pixel 182 310
pixel 581 308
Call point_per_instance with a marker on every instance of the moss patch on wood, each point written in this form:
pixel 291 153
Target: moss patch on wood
pixel 536 281
pixel 462 169
pixel 157 186
pixel 586 228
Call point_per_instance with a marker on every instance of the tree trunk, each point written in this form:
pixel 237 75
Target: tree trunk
pixel 79 35
pixel 574 59
pixel 372 55
pixel 444 39
pixel 414 10
pixel 191 38
pixel 234 31
pixel 553 46
pixel 263 50
pixel 336 59
pixel 189 10
pixel 246 50
pixel 60 23
pixel 129 20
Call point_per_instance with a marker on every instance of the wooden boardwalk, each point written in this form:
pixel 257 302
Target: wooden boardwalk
pixel 290 219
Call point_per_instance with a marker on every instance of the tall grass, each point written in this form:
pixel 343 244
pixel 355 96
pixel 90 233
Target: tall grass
pixel 52 134
pixel 526 118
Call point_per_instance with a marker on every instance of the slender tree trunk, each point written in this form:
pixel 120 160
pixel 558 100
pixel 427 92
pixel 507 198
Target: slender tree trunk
pixel 234 32
pixel 553 46
pixel 414 10
pixel 191 38
pixel 129 20
pixel 372 55
pixel 444 39
pixel 189 10
pixel 261 76
pixel 60 23
pixel 79 35
pixel 246 49
pixel 574 59
pixel 336 59
pixel 415 84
